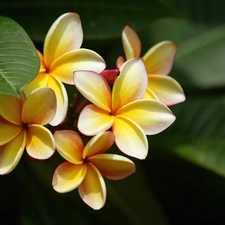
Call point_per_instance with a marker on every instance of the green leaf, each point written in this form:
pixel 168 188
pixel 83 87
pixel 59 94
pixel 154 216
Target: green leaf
pixel 198 134
pixel 100 18
pixel 19 62
pixel 201 57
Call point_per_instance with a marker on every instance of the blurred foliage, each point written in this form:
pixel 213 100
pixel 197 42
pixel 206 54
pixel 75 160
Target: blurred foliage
pixel 182 179
pixel 101 19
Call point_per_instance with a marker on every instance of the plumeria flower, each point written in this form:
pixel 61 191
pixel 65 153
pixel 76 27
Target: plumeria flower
pixel 124 109
pixel 86 164
pixel 62 56
pixel 22 126
pixel 158 62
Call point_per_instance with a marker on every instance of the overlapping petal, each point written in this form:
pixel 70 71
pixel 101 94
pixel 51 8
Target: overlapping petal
pixel 69 145
pixel 41 80
pixel 131 43
pixel 159 59
pixel 68 176
pixel 130 85
pixel 93 120
pixel 92 190
pixel 65 35
pixel 42 63
pixel 114 167
pixel 130 138
pixel 81 59
pixel 150 94
pixel 166 88
pixel 39 107
pixel 10 109
pixel 40 142
pixel 151 115
pixel 61 100
pixel 11 153
pixel 8 131
pixel 99 144
pixel 94 87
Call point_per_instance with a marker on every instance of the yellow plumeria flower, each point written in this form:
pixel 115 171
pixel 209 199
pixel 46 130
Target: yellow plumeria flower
pixel 86 165
pixel 22 126
pixel 123 108
pixel 62 56
pixel 158 62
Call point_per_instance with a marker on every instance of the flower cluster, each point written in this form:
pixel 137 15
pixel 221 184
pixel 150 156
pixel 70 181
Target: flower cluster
pixel 121 106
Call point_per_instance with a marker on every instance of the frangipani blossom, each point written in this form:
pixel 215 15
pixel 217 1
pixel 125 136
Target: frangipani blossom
pixel 86 164
pixel 158 62
pixel 62 56
pixel 124 109
pixel 22 126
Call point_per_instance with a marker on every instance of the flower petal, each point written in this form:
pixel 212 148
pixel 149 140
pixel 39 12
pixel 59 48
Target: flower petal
pixel 69 145
pixel 10 109
pixel 99 144
pixel 11 153
pixel 40 80
pixel 150 94
pixel 42 63
pixel 94 87
pixel 93 120
pixel 114 167
pixel 159 59
pixel 81 59
pixel 131 43
pixel 40 142
pixel 130 85
pixel 167 89
pixel 8 131
pixel 92 190
pixel 151 115
pixel 39 107
pixel 68 176
pixel 120 61
pixel 130 138
pixel 65 35
pixel 61 98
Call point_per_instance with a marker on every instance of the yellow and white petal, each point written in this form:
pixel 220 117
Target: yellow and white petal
pixel 120 61
pixel 40 142
pixel 61 98
pixel 130 138
pixel 81 59
pixel 8 131
pixel 69 145
pixel 93 120
pixel 39 107
pixel 114 167
pixel 65 35
pixel 167 89
pixel 159 59
pixel 131 43
pixel 94 88
pixel 10 109
pixel 40 80
pixel 99 144
pixel 130 85
pixel 42 62
pixel 68 177
pixel 11 153
pixel 150 94
pixel 93 190
pixel 151 115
